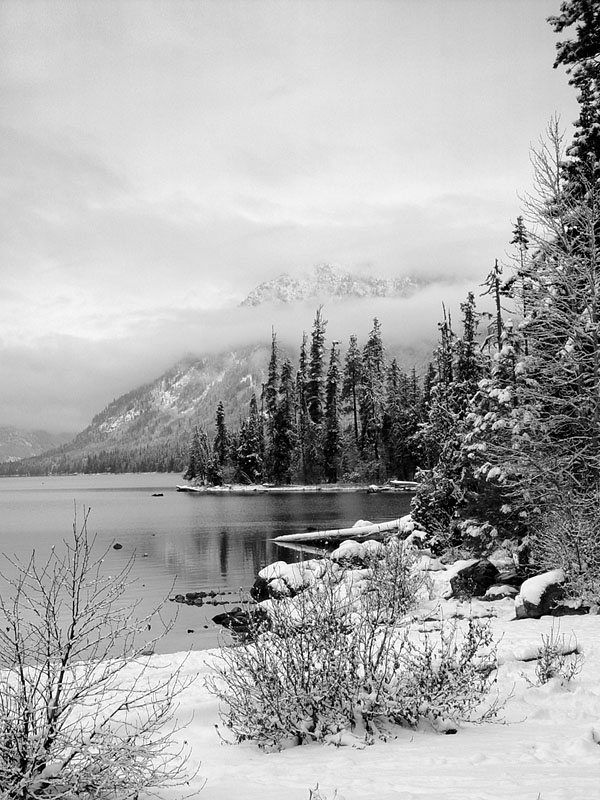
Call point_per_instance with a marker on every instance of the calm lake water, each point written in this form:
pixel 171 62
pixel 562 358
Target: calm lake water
pixel 181 542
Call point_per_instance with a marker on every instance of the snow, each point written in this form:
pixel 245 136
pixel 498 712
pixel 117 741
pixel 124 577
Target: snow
pixel 545 744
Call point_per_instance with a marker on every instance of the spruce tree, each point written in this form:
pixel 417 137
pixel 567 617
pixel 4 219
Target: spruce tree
pixel 303 418
pixel 271 386
pixel 285 439
pixel 444 488
pixel 198 456
pixel 313 402
pixel 332 434
pixel 221 443
pixel 249 462
pixel 351 382
pixel 316 370
pixel 372 390
pixel 580 55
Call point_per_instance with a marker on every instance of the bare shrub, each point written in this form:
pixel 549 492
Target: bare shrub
pixel 340 657
pixel 82 713
pixel 447 675
pixel 557 659
pixel 569 537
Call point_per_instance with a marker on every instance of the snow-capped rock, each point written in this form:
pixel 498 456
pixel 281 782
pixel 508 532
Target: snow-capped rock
pixel 326 281
pixel 539 595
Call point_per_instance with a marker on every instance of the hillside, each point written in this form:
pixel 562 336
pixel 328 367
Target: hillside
pixel 149 428
pixel 16 444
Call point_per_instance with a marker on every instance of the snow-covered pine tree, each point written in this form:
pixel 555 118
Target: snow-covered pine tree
pixel 332 443
pixel 198 457
pixel 302 410
pixel 250 462
pixel 372 395
pixel 221 442
pixel 445 487
pixel 315 385
pixel 401 419
pixel 580 55
pixel 282 459
pixel 351 382
pixel 314 402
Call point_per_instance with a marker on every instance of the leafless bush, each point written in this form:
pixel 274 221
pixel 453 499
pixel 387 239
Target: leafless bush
pixel 82 713
pixel 557 659
pixel 340 657
pixel 568 537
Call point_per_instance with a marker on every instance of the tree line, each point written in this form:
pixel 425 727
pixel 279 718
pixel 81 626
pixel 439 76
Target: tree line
pixel 516 423
pixel 327 419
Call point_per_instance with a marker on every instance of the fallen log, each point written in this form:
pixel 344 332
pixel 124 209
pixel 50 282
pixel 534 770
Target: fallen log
pixel 357 532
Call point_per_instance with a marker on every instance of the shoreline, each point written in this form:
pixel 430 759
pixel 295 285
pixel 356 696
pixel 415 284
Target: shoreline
pixel 407 487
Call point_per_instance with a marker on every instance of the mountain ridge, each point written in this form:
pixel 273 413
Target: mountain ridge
pixel 326 281
pixel 149 427
pixel 17 443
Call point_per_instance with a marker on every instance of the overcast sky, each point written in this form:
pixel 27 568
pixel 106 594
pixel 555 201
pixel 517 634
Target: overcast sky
pixel 160 158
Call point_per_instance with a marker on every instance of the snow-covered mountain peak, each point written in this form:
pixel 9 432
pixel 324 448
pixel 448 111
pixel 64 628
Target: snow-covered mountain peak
pixel 327 281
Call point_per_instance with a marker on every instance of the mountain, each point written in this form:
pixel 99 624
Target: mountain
pixel 16 444
pixel 150 427
pixel 326 281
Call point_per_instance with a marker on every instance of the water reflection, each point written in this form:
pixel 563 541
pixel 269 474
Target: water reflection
pixel 181 542
pixel 224 553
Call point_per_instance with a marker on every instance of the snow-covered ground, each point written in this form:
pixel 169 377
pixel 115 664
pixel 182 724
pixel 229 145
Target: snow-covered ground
pixel 545 746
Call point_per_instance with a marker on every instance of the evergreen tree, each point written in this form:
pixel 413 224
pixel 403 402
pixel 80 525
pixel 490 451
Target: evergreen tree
pixel 282 456
pixel 249 462
pixel 332 435
pixel 494 287
pixel 221 443
pixel 313 403
pixel 198 456
pixel 581 57
pixel 271 386
pixel 401 419
pixel 303 418
pixel 372 389
pixel 351 382
pixel 443 488
pixel 316 369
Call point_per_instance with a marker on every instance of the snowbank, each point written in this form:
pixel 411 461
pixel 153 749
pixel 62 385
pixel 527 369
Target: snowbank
pixel 549 748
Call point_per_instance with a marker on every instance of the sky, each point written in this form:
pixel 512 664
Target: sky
pixel 160 158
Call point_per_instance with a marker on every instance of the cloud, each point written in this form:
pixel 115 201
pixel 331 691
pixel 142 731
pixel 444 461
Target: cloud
pixel 60 382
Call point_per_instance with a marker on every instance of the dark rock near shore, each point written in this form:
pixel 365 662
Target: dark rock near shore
pixel 260 590
pixel 245 623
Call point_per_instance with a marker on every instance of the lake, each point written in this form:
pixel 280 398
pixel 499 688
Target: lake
pixel 181 542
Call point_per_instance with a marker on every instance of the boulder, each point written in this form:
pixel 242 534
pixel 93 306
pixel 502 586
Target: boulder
pixel 244 623
pixel 474 580
pixel 260 590
pixel 540 595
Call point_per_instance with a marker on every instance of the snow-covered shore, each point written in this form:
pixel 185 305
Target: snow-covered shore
pixel 545 745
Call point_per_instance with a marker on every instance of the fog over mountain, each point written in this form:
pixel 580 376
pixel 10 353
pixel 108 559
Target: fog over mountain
pixel 162 160
pixel 16 444
pixel 327 282
pixel 59 383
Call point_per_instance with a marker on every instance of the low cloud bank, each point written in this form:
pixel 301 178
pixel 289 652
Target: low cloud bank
pixel 59 383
